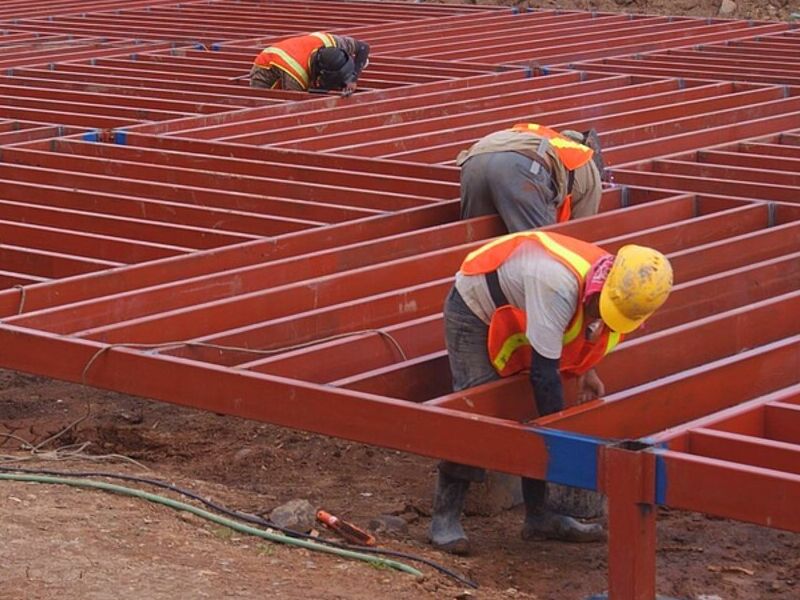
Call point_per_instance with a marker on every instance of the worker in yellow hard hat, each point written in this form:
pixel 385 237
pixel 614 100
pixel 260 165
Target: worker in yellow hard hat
pixel 553 305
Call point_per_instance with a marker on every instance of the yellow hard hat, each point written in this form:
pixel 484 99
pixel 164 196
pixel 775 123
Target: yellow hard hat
pixel 637 284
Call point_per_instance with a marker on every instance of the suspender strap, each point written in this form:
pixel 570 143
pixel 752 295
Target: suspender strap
pixel 570 182
pixel 495 291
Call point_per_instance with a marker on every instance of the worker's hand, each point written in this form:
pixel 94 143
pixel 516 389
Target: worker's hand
pixel 349 88
pixel 590 387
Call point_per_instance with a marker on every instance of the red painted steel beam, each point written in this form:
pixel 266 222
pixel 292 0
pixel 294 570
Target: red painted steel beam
pixel 230 101
pixel 299 173
pixel 105 247
pixel 628 478
pixel 727 489
pixel 750 161
pixel 314 201
pixel 259 278
pixel 83 75
pixel 678 398
pixel 607 110
pixel 445 263
pixel 44 265
pixel 507 447
pixel 745 449
pixel 322 112
pixel 590 99
pixel 141 108
pixel 746 123
pixel 426 116
pixel 131 229
pixel 384 168
pixel 782 422
pixel 157 272
pixel 10 279
pixel 224 220
pixel 189 195
pixel 746 418
pixel 704 170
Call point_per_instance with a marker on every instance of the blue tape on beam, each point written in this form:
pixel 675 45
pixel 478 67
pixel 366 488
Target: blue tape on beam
pixel 215 47
pixel 515 11
pixel 571 458
pixel 544 70
pixel 661 480
pixel 92 136
pixel 121 137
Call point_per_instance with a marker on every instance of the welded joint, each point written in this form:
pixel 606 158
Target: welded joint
pixel 625 196
pixel 51 67
pixel 771 210
pixel 681 83
pixel 646 468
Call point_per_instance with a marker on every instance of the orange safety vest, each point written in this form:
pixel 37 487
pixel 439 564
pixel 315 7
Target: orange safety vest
pixel 572 154
pixel 508 346
pixel 293 56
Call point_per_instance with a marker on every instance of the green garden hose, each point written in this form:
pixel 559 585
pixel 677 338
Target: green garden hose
pixel 273 537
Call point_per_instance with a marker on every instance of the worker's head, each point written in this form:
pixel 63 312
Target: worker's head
pixel 637 284
pixel 332 69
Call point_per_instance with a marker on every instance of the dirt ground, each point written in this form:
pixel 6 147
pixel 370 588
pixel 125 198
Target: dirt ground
pixel 739 9
pixel 60 542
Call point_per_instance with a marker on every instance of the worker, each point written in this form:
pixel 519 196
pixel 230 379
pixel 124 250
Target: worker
pixel 532 176
pixel 318 61
pixel 554 305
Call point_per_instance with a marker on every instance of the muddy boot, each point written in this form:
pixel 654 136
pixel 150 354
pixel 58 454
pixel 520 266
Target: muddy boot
pixel 446 532
pixel 553 526
pixel 541 523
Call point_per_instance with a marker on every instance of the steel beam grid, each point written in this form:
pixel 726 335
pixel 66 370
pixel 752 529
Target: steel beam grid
pixel 171 233
pixel 768 58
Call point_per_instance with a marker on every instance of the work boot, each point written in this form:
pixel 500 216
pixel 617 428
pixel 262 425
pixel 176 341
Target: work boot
pixel 553 526
pixel 446 531
pixel 542 523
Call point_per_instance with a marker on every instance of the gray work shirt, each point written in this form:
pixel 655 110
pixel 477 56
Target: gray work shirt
pixel 536 282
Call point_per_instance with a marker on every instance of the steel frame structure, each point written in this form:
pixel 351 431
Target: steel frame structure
pixel 171 233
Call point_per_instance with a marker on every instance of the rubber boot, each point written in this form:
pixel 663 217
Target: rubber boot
pixel 446 531
pixel 542 523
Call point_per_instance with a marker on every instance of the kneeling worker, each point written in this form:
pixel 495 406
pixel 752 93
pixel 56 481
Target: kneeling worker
pixel 552 304
pixel 316 61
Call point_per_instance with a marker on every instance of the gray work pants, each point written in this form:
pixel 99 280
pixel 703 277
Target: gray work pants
pixel 510 184
pixel 466 338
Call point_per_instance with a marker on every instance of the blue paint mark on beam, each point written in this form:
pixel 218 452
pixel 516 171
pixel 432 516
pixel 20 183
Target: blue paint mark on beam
pixel 572 458
pixel 92 136
pixel 120 137
pixel 661 479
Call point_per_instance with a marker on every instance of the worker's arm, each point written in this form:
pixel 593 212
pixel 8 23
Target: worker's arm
pixel 546 383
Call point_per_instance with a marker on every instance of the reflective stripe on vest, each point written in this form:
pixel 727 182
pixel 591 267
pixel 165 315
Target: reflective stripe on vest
pixel 570 153
pixel 293 56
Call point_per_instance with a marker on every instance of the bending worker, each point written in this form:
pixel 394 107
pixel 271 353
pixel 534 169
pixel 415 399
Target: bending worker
pixel 532 176
pixel 552 304
pixel 316 61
